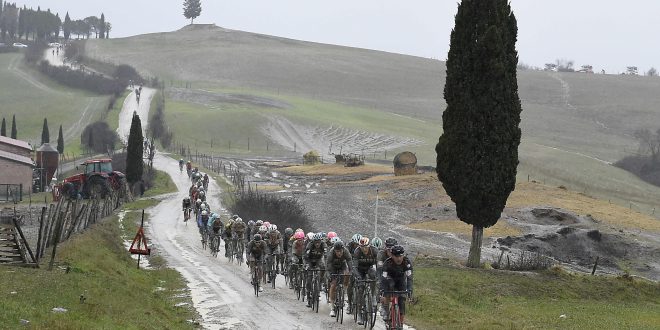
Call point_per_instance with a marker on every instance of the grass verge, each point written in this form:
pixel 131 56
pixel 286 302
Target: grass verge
pixel 117 294
pixel 163 184
pixel 453 297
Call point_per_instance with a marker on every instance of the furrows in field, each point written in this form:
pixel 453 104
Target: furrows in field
pixel 335 139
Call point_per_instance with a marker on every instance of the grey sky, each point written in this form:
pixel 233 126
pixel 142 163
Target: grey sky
pixel 607 34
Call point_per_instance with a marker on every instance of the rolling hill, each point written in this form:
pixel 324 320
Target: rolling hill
pixel 574 125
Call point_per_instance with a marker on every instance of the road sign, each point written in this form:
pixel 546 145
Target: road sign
pixel 139 245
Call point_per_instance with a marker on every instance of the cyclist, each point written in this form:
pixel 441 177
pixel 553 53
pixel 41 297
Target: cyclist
pixel 354 243
pixel 238 233
pixel 385 253
pixel 215 225
pixel 296 251
pixel 227 234
pixel 205 181
pixel 274 243
pixel 181 165
pixel 364 267
pixel 189 168
pixel 313 258
pixel 286 242
pixel 202 221
pixel 337 262
pixel 251 230
pixel 397 276
pixel 256 249
pixel 187 207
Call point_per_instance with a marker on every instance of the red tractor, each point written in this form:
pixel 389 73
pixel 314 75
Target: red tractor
pixel 98 180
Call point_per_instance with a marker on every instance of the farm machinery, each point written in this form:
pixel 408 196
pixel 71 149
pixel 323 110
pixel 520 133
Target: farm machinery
pixel 97 180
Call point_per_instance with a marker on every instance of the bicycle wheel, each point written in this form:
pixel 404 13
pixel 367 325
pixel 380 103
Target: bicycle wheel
pixel 372 307
pixel 255 280
pixel 396 318
pixel 273 273
pixel 317 294
pixel 355 302
pixel 368 306
pixel 340 302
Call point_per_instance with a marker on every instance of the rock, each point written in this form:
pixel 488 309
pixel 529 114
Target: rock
pixel 60 310
pixel 562 316
pixel 595 235
pixel 24 322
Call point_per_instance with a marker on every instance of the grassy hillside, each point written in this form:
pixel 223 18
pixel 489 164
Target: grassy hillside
pixel 573 124
pixel 33 97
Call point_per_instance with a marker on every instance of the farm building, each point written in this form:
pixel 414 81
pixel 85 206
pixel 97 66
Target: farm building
pixel 15 166
pixel 405 163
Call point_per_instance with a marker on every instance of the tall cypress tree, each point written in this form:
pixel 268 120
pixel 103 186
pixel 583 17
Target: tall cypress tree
pixel 477 154
pixel 60 142
pixel 14 133
pixel 102 27
pixel 3 128
pixel 45 135
pixel 66 27
pixel 134 151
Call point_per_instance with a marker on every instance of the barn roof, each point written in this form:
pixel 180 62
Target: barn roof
pixel 14 142
pixel 16 158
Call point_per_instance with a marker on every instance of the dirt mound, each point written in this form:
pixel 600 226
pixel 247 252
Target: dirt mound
pixel 552 216
pixel 579 246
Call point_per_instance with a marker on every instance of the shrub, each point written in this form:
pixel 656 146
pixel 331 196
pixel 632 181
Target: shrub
pixel 311 158
pixel 78 79
pixel 284 211
pixel 98 137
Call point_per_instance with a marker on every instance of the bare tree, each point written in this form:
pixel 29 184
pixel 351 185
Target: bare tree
pixel 648 142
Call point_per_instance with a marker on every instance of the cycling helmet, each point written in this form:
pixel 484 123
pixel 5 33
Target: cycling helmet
pixel 332 234
pixel 181 160
pixel 356 238
pixel 239 219
pixel 334 240
pixel 251 223
pixel 299 235
pixel 235 216
pixel 288 231
pixel 257 237
pixel 259 223
pixel 318 236
pixel 310 236
pixel 187 199
pixel 201 192
pixel 324 234
pixel 390 242
pixel 199 200
pixel 204 213
pixel 266 223
pixel 397 250
pixel 364 241
pixel 273 227
pixel 299 229
pixel 377 242
pixel 263 228
pixel 339 245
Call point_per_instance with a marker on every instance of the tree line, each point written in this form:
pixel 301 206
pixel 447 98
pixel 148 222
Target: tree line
pixel 26 23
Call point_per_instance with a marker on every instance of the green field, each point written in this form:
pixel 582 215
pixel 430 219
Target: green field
pixel 453 297
pixel 573 124
pixel 33 97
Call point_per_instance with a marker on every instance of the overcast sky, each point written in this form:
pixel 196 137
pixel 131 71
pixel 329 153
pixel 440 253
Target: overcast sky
pixel 608 34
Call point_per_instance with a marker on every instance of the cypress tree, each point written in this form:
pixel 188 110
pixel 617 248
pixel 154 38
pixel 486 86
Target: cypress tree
pixel 66 27
pixel 102 27
pixel 45 135
pixel 134 151
pixel 477 154
pixel 14 133
pixel 60 142
pixel 3 128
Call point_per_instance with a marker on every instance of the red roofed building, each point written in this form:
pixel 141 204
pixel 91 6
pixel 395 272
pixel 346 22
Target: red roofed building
pixel 15 165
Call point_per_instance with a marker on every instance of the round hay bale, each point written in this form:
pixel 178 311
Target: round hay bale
pixel 405 163
pixel 311 158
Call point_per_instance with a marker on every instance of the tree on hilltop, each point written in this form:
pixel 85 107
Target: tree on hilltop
pixel 477 154
pixel 192 9
pixel 66 27
pixel 101 27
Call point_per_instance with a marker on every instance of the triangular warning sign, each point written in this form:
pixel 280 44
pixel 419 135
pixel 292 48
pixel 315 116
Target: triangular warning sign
pixel 139 245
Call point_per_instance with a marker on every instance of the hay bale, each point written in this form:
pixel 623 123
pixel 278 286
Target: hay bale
pixel 405 163
pixel 311 158
pixel 340 159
